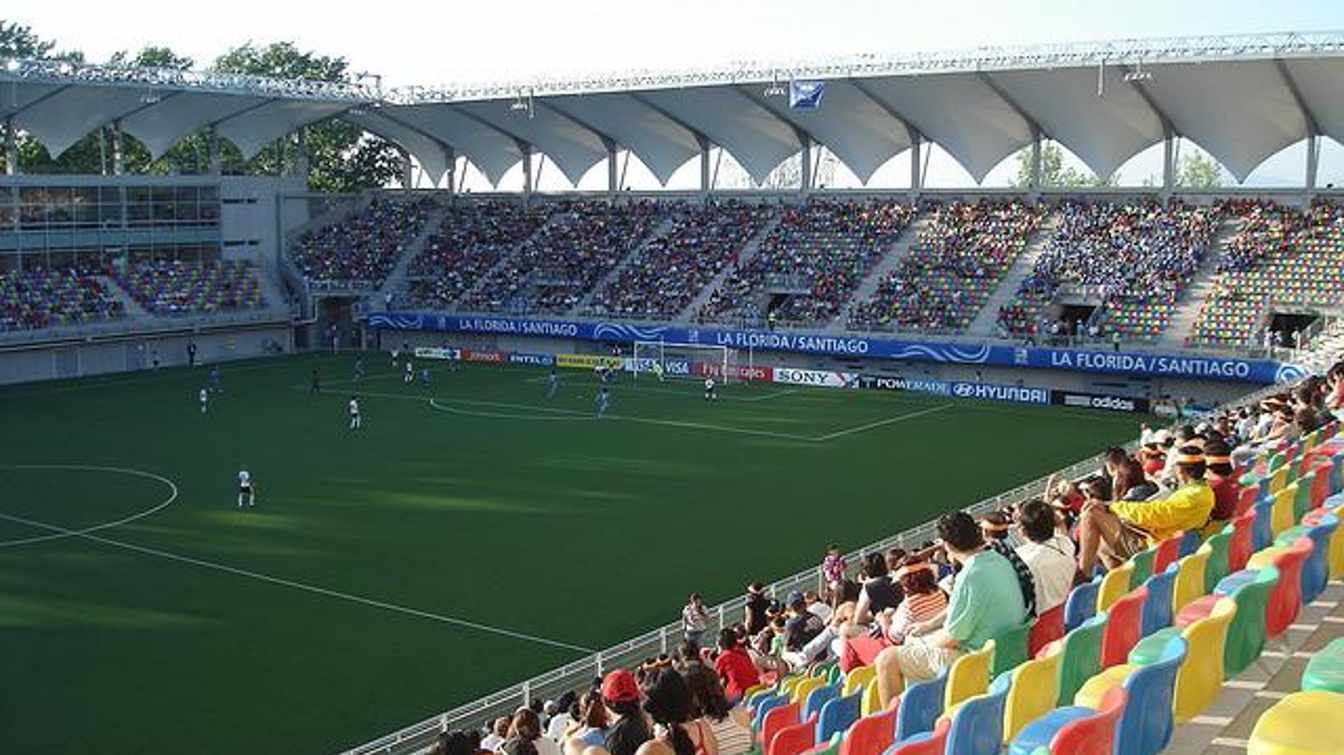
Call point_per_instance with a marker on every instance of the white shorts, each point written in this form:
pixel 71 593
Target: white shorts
pixel 921 662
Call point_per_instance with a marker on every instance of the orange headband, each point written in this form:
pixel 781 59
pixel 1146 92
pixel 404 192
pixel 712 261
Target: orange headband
pixel 1190 459
pixel 1217 459
pixel 912 568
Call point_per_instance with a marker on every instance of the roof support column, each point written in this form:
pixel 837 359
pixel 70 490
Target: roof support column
pixel 406 177
pixel 11 147
pixel 301 162
pixel 704 167
pixel 527 173
pixel 450 178
pixel 613 177
pixel 1313 162
pixel 1035 163
pixel 1168 164
pixel 805 184
pixel 213 164
pixel 916 180
pixel 118 157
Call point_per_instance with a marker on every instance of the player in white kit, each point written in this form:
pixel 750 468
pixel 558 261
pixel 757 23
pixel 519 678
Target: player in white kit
pixel 205 400
pixel 354 413
pixel 247 492
pixel 711 393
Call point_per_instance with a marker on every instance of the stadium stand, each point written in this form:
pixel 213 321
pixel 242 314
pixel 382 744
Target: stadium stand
pixel 1280 257
pixel 1139 256
pixel 472 239
pixel 40 298
pixel 359 251
pixel 552 270
pixel 175 288
pixel 956 264
pixel 673 268
pixel 816 257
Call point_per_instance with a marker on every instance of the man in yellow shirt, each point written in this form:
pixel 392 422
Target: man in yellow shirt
pixel 1118 530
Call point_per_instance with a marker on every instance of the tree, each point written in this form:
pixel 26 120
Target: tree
pixel 1053 170
pixel 342 157
pixel 1199 171
pixel 19 41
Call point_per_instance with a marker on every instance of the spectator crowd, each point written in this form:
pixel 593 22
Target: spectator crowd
pixel 816 256
pixel 42 298
pixel 359 251
pixel 953 268
pixel 171 287
pixel 472 239
pixel 556 267
pixel 674 267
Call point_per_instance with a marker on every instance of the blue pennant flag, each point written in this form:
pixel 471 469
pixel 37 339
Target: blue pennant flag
pixel 806 95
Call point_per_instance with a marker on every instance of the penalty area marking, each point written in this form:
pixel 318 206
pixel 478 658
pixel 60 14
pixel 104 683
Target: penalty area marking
pixel 84 534
pixel 63 533
pixel 575 417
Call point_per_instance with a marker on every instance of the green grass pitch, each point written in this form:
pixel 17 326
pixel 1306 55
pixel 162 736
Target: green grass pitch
pixel 389 574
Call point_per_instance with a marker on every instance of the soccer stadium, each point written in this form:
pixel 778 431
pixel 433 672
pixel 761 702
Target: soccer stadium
pixel 675 412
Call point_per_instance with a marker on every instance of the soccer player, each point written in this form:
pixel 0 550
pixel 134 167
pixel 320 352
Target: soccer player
pixel 410 372
pixel 205 400
pixel 424 377
pixel 246 488
pixel 552 384
pixel 355 421
pixel 315 387
pixel 711 392
pixel 214 380
pixel 603 401
pixel 395 357
pixel 657 368
pixel 359 369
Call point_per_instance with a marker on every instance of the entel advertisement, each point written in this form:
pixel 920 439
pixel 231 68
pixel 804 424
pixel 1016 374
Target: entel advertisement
pixel 538 360
pixel 1099 361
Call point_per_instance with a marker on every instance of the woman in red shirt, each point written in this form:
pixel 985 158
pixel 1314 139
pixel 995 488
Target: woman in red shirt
pixel 734 666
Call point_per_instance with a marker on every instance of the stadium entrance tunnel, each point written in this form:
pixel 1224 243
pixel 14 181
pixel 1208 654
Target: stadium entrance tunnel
pixel 1285 324
pixel 46 502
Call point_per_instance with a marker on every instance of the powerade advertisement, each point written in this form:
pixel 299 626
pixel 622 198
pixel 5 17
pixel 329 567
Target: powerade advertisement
pixel 1079 360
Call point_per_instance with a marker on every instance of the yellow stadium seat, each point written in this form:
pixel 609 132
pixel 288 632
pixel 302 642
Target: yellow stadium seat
pixel 1189 580
pixel 1114 585
pixel 1281 514
pixel 1303 723
pixel 872 701
pixel 857 679
pixel 1034 693
pixel 1201 675
pixel 801 690
pixel 969 676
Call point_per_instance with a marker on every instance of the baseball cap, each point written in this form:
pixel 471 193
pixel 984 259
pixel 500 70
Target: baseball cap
pixel 619 686
pixel 795 597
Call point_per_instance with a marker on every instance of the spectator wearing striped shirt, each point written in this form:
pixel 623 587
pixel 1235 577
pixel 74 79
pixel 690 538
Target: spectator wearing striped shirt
pixel 729 723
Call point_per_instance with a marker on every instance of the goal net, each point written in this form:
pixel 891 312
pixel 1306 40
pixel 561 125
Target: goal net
pixel 685 360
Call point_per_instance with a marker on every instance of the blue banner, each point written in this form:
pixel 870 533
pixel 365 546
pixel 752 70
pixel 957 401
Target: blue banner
pixel 1078 360
pixel 806 95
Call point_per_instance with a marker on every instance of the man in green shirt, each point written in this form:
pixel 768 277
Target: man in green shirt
pixel 986 600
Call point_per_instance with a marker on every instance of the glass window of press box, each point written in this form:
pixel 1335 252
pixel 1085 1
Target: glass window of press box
pixel 47 208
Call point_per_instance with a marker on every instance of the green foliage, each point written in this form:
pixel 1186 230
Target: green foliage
pixel 1054 172
pixel 1199 171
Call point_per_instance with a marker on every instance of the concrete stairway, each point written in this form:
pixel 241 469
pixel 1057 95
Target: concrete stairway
pixel 133 308
pixel 749 250
pixel 396 280
pixel 987 319
pixel 638 249
pixel 1182 324
pixel 905 243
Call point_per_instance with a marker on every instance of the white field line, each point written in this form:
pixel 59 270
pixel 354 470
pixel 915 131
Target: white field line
pixel 436 403
pixel 883 422
pixel 172 496
pixel 634 386
pixel 371 602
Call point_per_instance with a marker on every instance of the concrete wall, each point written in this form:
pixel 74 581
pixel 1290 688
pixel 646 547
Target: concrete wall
pixel 81 359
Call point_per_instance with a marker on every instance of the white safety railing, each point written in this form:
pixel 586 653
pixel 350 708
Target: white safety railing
pixel 580 674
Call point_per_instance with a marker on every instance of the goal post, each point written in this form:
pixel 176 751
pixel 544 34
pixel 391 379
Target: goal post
pixel 678 360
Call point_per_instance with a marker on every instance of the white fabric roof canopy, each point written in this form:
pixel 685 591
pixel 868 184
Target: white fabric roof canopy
pixel 1241 102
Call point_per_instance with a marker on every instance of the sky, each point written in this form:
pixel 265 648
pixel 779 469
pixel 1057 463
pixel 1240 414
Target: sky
pixel 454 41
